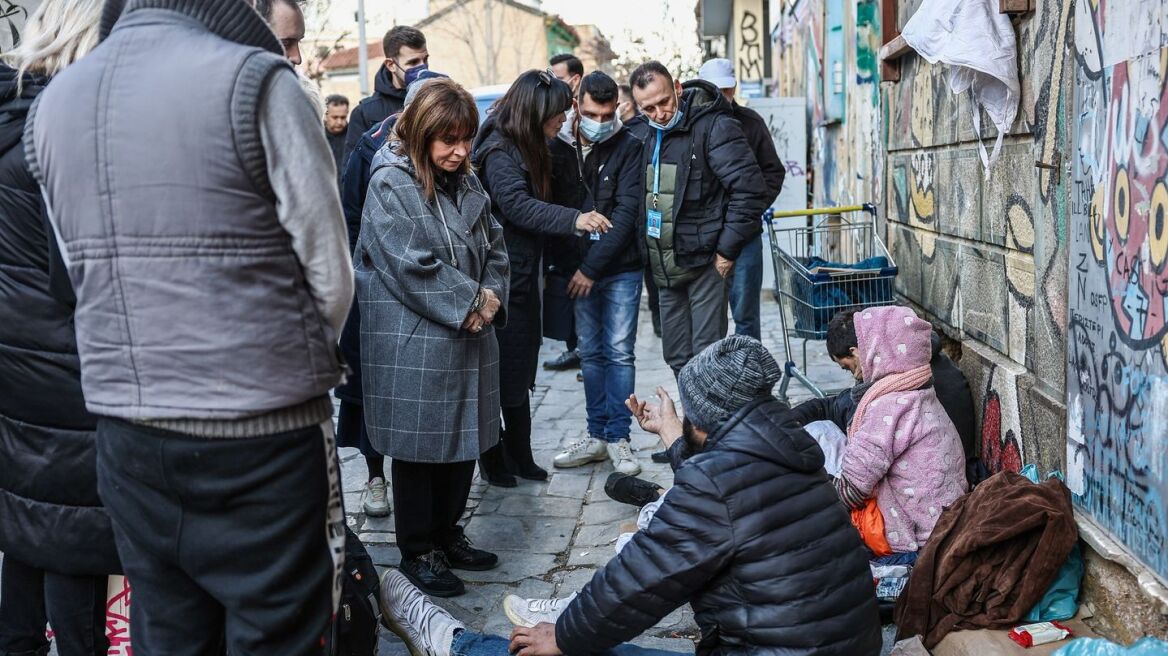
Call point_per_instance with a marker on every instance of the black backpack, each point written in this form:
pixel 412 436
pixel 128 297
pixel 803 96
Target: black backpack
pixel 354 633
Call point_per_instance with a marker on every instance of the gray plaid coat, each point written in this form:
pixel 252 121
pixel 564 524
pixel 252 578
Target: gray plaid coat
pixel 431 389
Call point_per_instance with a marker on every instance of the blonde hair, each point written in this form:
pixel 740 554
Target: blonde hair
pixel 58 33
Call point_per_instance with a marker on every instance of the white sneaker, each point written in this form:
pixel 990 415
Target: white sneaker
pixel 425 627
pixel 529 612
pixel 622 458
pixel 375 498
pixel 581 452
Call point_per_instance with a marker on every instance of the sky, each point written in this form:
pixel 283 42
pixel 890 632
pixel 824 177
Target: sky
pixel 619 20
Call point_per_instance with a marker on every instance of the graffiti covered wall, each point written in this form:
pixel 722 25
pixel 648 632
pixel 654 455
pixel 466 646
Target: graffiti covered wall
pixel 1117 388
pixel 846 150
pixel 13 13
pixel 985 257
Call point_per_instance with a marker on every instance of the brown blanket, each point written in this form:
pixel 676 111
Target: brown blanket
pixel 990 559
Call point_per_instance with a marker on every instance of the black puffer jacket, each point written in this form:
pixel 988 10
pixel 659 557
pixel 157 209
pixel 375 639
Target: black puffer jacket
pixel 612 183
pixel 385 101
pixel 721 193
pixel 755 538
pixel 526 221
pixel 50 514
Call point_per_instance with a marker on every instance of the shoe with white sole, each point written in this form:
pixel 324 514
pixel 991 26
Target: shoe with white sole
pixel 581 452
pixel 622 458
pixel 425 627
pixel 375 498
pixel 529 612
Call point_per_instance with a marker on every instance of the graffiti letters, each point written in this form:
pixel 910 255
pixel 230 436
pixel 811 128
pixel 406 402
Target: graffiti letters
pixel 750 63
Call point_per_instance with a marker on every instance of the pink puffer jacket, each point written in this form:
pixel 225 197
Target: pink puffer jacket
pixel 903 450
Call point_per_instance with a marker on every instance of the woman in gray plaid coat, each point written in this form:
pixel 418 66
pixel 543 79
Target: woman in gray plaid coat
pixel 432 279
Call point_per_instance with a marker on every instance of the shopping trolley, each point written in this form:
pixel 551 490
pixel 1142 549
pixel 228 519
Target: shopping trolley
pixel 834 263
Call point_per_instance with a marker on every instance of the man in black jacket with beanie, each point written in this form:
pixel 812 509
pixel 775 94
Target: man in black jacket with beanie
pixel 752 535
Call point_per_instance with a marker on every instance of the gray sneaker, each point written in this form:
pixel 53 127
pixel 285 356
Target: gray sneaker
pixel 375 498
pixel 425 627
pixel 529 612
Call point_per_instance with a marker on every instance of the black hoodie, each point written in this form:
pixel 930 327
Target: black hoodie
pixel 50 514
pixel 385 101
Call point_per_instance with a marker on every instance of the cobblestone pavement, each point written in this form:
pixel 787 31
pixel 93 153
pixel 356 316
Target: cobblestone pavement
pixel 552 536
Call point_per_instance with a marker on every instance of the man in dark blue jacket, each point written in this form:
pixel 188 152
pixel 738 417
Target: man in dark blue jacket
pixel 596 167
pixel 752 536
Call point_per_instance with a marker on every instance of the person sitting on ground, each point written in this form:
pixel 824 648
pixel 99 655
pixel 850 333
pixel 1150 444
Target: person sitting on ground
pixel 902 449
pixel 752 535
pixel 948 382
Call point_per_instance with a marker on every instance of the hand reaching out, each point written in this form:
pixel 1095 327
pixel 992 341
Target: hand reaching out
pixel 661 419
pixel 537 641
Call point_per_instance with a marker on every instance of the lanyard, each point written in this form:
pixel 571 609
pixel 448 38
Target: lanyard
pixel 657 167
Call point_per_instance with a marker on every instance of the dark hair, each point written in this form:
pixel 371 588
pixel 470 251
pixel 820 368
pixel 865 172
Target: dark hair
pixel 441 110
pixel 402 36
pixel 599 86
pixel 336 99
pixel 841 334
pixel 645 73
pixel 264 7
pixel 575 66
pixel 533 99
pixel 626 90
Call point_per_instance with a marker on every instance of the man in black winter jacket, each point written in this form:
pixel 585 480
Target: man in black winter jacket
pixel 596 167
pixel 752 536
pixel 746 288
pixel 704 195
pixel 405 57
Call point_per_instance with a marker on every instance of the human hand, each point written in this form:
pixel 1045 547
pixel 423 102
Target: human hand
pixel 537 641
pixel 490 306
pixel 579 286
pixel 723 265
pixel 474 323
pixel 657 419
pixel 593 222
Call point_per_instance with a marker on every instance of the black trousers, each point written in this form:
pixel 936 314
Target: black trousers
pixel 225 539
pixel 73 605
pixel 428 501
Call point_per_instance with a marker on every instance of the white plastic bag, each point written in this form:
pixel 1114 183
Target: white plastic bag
pixel 978 45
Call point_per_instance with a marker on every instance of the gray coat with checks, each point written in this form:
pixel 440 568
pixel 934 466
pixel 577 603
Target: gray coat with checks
pixel 431 389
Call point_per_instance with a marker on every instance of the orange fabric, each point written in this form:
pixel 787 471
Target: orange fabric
pixel 869 521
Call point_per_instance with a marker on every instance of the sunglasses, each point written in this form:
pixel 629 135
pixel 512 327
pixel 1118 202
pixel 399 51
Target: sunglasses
pixel 546 76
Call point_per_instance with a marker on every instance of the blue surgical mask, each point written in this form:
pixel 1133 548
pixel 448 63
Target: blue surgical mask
pixel 413 73
pixel 672 122
pixel 595 131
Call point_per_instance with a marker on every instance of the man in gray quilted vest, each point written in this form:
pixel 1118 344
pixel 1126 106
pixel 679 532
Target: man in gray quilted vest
pixel 193 199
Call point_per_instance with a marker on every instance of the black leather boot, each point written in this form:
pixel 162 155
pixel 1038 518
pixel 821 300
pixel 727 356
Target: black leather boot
pixel 517 443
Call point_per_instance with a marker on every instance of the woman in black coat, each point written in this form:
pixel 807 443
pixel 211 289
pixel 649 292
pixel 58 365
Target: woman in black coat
pixel 514 164
pixel 56 538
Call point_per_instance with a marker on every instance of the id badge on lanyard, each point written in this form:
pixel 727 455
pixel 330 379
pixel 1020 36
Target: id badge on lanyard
pixel 653 216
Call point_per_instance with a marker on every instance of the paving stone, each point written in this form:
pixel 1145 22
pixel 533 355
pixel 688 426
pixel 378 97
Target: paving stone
pixel 592 536
pixel 532 534
pixel 378 524
pixel 384 555
pixel 565 485
pixel 584 556
pixel 607 511
pixel 572 580
pixel 530 506
pixel 377 537
pixel 514 566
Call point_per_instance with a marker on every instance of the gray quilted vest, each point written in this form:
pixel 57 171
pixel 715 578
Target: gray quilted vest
pixel 191 302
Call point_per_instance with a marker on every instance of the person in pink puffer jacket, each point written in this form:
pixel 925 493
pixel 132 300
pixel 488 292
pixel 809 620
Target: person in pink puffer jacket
pixel 902 448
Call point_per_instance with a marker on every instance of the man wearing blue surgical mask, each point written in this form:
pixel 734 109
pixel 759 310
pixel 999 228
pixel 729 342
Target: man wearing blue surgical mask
pixel 406 56
pixel 596 166
pixel 704 194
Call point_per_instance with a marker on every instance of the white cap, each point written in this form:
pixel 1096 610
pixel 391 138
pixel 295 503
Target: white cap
pixel 719 72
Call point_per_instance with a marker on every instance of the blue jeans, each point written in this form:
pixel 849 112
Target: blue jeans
pixel 746 289
pixel 606 323
pixel 477 644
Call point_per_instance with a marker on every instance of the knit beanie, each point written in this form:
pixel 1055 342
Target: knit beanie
pixel 723 378
pixel 417 84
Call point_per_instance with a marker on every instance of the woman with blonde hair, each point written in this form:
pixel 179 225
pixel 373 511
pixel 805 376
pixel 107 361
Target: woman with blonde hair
pixel 432 277
pixel 55 535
